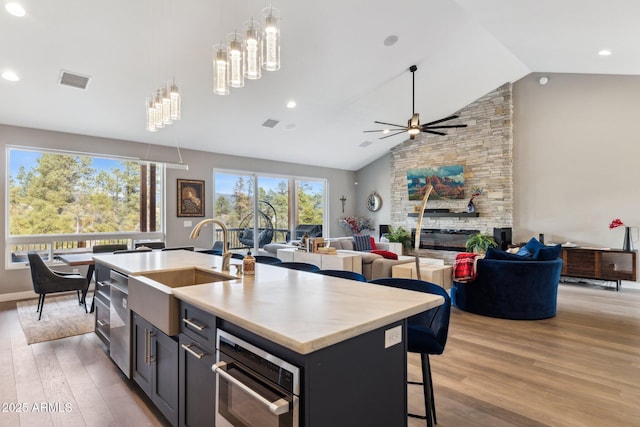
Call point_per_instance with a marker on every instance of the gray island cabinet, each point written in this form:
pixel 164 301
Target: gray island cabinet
pixel 346 338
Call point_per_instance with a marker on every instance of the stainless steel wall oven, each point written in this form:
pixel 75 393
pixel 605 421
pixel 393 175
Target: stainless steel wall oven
pixel 254 388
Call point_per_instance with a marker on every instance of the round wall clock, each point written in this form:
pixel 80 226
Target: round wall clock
pixel 374 202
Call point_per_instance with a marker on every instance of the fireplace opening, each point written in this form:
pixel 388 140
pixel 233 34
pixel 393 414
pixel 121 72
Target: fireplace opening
pixel 443 239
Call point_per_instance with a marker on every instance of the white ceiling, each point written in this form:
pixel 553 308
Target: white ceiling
pixel 334 64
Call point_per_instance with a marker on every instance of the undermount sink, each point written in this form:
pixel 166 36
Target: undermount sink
pixel 151 295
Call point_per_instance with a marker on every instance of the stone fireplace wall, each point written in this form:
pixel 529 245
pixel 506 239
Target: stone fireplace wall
pixel 484 148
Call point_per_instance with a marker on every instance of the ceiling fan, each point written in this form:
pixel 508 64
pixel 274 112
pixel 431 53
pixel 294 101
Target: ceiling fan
pixel 413 126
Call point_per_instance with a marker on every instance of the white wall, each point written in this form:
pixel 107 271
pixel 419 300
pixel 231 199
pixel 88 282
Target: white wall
pixel 374 177
pixel 576 152
pixel 201 165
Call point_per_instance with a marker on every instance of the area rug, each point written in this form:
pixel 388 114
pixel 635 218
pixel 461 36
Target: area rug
pixel 62 317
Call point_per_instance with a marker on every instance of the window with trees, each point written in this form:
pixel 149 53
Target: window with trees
pixel 62 201
pixel 282 204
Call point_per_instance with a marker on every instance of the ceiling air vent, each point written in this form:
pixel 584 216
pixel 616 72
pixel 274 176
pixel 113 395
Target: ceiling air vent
pixel 74 80
pixel 271 123
pixel 365 144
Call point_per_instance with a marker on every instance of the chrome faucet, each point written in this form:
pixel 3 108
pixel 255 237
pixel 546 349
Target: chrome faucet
pixel 226 255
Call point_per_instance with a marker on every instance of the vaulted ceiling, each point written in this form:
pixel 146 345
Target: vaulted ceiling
pixel 335 65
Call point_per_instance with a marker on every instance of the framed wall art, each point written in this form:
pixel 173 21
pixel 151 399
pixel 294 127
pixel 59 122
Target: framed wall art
pixel 190 197
pixel 447 182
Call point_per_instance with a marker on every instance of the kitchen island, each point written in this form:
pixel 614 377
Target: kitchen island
pixel 347 337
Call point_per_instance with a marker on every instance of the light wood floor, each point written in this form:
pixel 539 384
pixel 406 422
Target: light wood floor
pixel 580 368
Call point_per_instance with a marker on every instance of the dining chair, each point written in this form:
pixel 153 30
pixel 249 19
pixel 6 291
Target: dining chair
pixel 344 274
pixel 112 247
pixel 132 251
pixel 301 266
pixel 426 334
pixel 47 281
pixel 150 245
pixel 265 259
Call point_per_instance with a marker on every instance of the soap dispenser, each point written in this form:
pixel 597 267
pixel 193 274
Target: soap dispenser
pixel 249 264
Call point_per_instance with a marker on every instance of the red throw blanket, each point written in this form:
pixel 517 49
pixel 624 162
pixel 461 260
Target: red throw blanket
pixel 464 267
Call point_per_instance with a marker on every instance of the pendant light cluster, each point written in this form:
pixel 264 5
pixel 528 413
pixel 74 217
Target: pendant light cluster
pixel 163 107
pixel 246 54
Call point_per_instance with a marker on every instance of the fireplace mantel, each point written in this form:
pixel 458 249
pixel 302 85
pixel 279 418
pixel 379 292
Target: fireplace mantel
pixel 446 214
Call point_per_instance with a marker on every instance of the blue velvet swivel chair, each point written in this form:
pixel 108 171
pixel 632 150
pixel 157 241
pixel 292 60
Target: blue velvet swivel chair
pixel 344 274
pixel 426 334
pixel 302 266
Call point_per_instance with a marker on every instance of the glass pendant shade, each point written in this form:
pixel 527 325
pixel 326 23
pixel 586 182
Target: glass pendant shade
pixel 157 103
pixel 220 85
pixel 270 46
pixel 166 107
pixel 151 115
pixel 235 61
pixel 174 96
pixel 252 62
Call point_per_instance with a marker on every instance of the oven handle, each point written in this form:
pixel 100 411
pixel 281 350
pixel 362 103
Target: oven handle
pixel 279 407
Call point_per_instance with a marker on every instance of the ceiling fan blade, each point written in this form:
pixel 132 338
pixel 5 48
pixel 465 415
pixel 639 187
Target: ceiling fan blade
pixel 441 120
pixel 390 124
pixel 434 132
pixel 443 127
pixel 384 130
pixel 393 134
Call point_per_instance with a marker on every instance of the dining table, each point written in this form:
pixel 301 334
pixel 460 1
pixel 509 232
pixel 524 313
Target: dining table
pixel 81 259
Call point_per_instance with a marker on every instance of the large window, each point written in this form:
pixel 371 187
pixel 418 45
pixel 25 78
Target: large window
pixel 64 201
pixel 283 207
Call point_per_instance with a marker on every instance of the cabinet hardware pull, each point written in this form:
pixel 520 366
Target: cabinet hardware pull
pixel 147 342
pixel 190 347
pixel 151 356
pixel 279 407
pixel 191 323
pixel 101 323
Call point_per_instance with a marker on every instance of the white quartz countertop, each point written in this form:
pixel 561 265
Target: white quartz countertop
pixel 301 311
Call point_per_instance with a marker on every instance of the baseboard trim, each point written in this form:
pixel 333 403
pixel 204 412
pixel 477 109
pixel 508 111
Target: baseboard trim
pixel 16 296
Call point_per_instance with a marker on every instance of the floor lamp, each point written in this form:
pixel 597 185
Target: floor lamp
pixel 416 243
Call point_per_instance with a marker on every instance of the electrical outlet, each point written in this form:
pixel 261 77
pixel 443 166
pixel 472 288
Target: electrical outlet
pixel 393 336
pixel 187 223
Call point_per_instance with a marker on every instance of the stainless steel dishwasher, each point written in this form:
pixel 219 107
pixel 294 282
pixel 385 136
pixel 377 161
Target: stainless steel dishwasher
pixel 119 315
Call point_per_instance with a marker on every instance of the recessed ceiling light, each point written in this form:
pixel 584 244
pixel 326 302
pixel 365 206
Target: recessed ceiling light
pixel 385 131
pixel 604 52
pixel 390 40
pixel 10 76
pixel 15 9
pixel 543 80
pixel 291 104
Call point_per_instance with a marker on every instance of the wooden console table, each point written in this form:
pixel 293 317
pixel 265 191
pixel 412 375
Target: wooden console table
pixel 603 264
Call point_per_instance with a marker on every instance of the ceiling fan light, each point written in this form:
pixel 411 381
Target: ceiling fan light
pixel 413 131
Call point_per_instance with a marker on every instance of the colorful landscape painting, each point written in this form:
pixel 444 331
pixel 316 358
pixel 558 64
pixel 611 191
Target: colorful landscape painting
pixel 447 182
